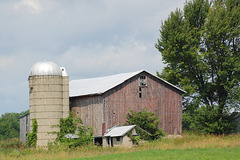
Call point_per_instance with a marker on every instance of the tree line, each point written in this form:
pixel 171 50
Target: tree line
pixel 9 125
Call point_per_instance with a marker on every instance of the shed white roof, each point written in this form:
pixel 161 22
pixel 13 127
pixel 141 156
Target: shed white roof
pixel 100 85
pixel 119 131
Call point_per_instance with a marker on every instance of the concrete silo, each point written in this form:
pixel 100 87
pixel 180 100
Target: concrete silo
pixel 49 98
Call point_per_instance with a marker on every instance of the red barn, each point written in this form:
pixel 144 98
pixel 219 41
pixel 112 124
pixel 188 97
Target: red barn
pixel 103 102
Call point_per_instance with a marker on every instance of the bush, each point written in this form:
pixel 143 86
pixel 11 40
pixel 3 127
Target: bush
pixel 147 121
pixel 70 126
pixel 208 121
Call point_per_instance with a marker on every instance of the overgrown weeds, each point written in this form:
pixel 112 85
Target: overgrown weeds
pixel 186 141
pixel 11 143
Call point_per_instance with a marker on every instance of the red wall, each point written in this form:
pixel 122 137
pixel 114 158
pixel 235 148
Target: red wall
pixel 157 97
pixel 111 107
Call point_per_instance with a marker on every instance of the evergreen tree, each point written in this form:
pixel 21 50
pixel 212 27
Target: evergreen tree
pixel 200 46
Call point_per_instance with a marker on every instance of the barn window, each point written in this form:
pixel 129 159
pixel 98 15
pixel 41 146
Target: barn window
pixel 142 81
pixel 140 95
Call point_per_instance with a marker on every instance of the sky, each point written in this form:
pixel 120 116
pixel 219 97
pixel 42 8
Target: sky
pixel 90 38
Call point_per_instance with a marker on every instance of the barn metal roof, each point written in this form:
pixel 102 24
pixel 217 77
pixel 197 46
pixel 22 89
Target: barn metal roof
pixel 100 85
pixel 119 131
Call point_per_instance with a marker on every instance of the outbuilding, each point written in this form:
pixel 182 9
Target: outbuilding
pixel 118 136
pixel 24 127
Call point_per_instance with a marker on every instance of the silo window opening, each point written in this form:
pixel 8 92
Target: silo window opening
pixel 31 89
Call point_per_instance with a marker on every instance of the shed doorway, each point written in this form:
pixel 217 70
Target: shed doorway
pixel 98 141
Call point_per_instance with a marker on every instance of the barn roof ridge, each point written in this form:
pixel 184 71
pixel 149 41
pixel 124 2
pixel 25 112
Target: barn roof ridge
pixel 100 85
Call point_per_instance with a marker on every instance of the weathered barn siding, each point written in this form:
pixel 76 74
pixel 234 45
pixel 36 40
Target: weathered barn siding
pixel 110 108
pixel 24 127
pixel 157 97
pixel 90 110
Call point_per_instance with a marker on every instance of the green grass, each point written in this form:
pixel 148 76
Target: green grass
pixel 189 146
pixel 178 154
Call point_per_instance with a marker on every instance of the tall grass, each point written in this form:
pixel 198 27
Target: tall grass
pixel 187 141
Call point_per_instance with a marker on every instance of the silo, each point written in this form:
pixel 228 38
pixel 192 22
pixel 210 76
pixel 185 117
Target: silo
pixel 49 99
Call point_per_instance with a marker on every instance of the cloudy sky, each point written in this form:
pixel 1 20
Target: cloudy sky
pixel 90 38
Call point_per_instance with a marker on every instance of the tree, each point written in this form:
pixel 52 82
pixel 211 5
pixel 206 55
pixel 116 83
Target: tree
pixel 200 46
pixel 147 121
pixel 9 125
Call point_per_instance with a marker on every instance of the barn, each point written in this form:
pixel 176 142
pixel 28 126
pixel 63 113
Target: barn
pixel 103 102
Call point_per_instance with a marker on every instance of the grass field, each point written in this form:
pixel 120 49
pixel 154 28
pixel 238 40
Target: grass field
pixel 189 146
pixel 178 154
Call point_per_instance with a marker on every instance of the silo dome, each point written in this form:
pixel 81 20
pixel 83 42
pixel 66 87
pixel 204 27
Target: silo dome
pixel 45 68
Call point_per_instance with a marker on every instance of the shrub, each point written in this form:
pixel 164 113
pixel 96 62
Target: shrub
pixel 147 121
pixel 209 121
pixel 70 125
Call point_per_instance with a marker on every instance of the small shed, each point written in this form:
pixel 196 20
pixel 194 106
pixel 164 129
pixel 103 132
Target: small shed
pixel 118 136
pixel 24 127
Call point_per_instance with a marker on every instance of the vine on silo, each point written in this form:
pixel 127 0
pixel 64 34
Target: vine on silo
pixel 32 136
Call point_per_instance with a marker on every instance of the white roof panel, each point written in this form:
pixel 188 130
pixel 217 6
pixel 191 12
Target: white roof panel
pixel 119 131
pixel 100 85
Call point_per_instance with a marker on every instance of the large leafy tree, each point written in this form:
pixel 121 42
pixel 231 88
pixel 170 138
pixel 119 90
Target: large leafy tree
pixel 200 46
pixel 9 125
